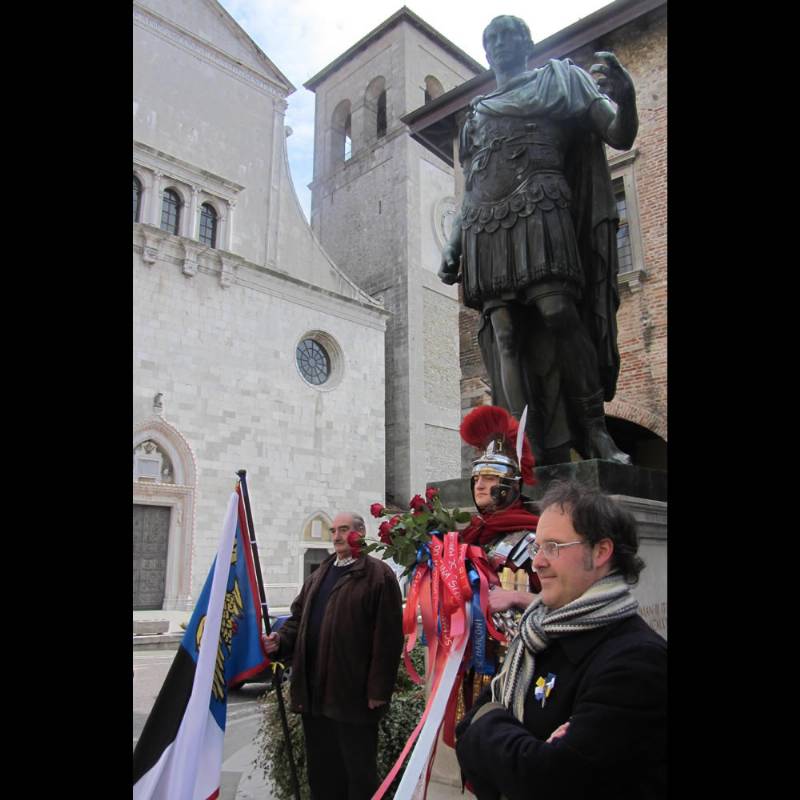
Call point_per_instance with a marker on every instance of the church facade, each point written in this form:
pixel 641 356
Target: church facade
pixel 252 349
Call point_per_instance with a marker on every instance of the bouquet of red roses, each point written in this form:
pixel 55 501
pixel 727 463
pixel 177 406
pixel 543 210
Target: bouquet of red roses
pixel 406 537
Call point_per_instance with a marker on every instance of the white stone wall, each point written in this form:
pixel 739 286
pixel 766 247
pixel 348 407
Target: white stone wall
pixel 441 408
pixel 224 359
pixel 441 401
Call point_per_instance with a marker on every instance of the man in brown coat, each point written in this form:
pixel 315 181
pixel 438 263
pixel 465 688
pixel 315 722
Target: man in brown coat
pixel 344 638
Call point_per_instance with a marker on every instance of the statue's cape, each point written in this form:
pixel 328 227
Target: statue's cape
pixel 559 89
pixel 562 90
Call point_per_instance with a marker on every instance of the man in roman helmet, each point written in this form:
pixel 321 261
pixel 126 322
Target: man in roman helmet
pixel 505 517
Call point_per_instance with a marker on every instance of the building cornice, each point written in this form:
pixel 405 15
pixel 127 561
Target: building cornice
pixel 155 245
pixel 147 19
pixel 159 161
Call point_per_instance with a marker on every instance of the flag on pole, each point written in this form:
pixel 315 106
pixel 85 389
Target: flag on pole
pixel 179 753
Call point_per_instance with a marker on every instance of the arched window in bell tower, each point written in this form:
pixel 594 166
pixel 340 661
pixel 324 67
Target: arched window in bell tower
pixel 381 124
pixel 341 134
pixel 376 122
pixel 348 138
pixel 433 89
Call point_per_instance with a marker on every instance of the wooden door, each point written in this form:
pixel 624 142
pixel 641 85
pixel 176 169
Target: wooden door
pixel 150 537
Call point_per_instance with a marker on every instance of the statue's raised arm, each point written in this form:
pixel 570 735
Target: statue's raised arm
pixel 617 128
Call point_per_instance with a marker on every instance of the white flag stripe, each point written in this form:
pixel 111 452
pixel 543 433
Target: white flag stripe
pixel 177 774
pixel 418 762
pixel 209 765
pixel 145 788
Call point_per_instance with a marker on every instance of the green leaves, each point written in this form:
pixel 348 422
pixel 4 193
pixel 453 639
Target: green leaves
pixel 273 757
pixel 407 551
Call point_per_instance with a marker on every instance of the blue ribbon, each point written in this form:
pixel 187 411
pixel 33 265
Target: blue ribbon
pixel 478 660
pixel 424 555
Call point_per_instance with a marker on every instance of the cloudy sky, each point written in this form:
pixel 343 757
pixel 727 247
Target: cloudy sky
pixel 303 36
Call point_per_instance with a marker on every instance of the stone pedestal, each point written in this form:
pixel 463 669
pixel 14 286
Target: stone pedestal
pixel 615 479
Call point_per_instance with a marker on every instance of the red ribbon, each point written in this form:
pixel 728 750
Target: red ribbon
pixel 441 592
pixel 418 584
pixel 487 577
pixel 448 561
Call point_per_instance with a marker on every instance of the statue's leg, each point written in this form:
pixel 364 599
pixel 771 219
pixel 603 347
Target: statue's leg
pixel 548 426
pixel 577 361
pixel 508 353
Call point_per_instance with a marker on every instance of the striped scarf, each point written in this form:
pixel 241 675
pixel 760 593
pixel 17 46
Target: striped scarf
pixel 604 602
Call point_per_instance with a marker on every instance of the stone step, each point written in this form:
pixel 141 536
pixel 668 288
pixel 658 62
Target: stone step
pixel 158 641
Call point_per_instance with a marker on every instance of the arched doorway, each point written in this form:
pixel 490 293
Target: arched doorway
pixel 164 478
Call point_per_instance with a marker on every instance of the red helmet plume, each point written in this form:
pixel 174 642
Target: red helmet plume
pixel 487 424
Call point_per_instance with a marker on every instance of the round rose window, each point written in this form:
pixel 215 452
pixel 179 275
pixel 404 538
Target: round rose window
pixel 313 361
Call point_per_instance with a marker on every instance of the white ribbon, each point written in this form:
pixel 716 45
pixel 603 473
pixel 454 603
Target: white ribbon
pixel 420 755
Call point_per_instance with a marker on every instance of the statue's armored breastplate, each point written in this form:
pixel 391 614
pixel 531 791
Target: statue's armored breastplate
pixel 502 152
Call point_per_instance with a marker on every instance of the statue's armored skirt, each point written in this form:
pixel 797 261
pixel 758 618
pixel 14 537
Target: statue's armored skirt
pixel 517 229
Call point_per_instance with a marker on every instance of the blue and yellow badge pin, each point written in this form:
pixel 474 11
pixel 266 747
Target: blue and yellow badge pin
pixel 544 687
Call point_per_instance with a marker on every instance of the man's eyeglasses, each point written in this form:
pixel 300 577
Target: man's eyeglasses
pixel 550 549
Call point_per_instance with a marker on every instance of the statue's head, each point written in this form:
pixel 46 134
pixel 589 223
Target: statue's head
pixel 507 42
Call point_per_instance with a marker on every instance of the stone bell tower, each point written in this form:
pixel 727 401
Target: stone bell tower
pixel 382 207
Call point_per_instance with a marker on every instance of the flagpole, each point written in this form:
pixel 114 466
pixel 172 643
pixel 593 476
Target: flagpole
pixel 277 672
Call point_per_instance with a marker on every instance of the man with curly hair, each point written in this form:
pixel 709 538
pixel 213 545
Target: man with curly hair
pixel 579 707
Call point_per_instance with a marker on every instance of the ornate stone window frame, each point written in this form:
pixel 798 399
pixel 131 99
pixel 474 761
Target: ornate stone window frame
pixel 137 214
pixel 623 166
pixel 180 498
pixel 158 171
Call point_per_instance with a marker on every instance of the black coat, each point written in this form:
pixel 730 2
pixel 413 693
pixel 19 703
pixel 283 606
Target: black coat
pixel 359 645
pixel 611 684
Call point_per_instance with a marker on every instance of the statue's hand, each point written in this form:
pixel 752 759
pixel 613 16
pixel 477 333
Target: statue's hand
pixel 612 78
pixel 448 271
